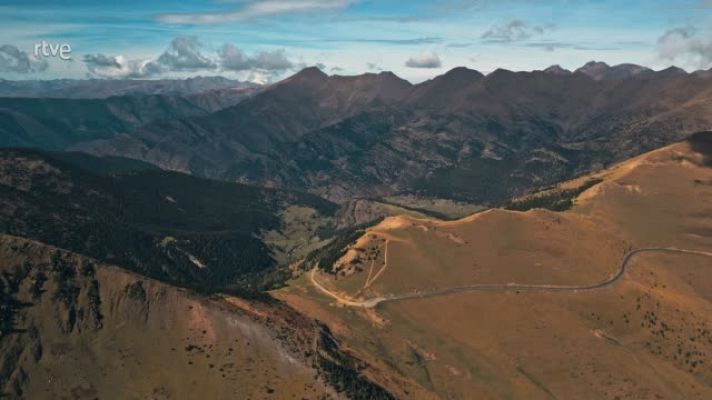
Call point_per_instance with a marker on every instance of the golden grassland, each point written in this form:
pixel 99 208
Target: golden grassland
pixel 647 335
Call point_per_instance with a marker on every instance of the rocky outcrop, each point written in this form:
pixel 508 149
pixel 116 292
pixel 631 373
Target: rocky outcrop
pixel 82 329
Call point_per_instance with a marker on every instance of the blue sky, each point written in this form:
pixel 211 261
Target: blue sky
pixel 265 40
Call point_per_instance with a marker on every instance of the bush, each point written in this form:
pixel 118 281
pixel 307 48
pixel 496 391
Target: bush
pixel 554 199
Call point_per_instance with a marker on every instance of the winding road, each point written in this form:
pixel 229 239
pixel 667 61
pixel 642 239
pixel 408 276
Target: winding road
pixel 370 303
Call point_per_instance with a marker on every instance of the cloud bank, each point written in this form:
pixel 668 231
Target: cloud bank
pixel 682 45
pixel 14 60
pixel 188 54
pixel 120 67
pixel 185 54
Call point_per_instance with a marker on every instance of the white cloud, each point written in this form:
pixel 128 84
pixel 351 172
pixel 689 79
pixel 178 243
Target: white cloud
pixel 15 60
pixel 427 59
pixel 682 45
pixel 234 59
pixel 252 9
pixel 120 67
pixel 513 31
pixel 185 54
pixel 101 60
pixel 275 60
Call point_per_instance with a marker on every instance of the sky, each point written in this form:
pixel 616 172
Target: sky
pixel 267 40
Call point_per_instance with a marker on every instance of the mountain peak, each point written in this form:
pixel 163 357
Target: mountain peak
pixel 459 76
pixel 556 69
pixel 629 71
pixel 384 79
pixel 500 73
pixel 444 88
pixel 674 71
pixel 597 64
pixel 599 71
pixel 596 70
pixel 388 76
pixel 463 73
pixel 309 74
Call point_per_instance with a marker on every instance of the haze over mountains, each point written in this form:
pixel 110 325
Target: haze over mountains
pixel 57 114
pixel 103 88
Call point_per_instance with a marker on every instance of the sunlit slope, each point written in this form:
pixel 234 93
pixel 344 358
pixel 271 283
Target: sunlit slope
pixel 644 335
pixel 404 254
pixel 647 337
pixel 661 199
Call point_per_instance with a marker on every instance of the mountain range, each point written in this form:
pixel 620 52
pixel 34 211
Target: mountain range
pixel 462 135
pixel 103 88
pixel 358 237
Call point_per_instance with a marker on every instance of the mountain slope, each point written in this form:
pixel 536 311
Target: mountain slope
pixel 602 71
pixel 460 136
pixel 55 124
pixel 56 114
pixel 257 128
pixel 181 229
pixel 105 88
pixel 608 299
pixel 72 327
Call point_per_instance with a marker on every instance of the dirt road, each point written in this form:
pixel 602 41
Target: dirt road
pixel 620 272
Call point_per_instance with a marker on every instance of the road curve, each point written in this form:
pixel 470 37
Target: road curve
pixel 370 303
pixel 363 304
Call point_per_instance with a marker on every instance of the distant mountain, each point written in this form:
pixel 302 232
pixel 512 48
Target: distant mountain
pixel 262 124
pixel 103 88
pixel 462 136
pixel 443 89
pixel 216 99
pixel 557 70
pixel 601 71
pixel 675 71
pixel 57 123
pixel 90 110
pixel 197 233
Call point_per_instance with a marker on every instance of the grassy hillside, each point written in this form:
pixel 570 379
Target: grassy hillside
pixel 480 305
pixel 554 199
